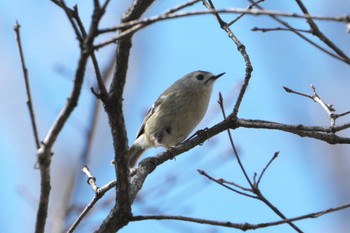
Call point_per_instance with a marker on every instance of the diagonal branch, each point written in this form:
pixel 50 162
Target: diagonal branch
pixel 99 193
pixel 256 184
pixel 327 107
pixel 220 182
pixel 221 103
pixel 26 81
pixel 148 165
pixel 241 48
pixel 317 32
pixel 275 17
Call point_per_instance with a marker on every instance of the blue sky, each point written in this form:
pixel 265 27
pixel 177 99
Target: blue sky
pixel 308 175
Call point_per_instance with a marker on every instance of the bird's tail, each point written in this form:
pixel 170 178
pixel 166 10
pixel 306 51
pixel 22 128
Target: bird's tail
pixel 134 154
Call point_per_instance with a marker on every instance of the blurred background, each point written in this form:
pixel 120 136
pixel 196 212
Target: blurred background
pixel 308 175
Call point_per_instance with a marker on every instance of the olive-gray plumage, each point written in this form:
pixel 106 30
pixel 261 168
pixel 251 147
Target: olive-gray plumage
pixel 175 114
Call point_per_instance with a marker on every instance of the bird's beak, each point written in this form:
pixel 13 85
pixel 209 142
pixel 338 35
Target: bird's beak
pixel 218 76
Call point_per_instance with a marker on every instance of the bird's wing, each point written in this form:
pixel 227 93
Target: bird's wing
pixel 158 102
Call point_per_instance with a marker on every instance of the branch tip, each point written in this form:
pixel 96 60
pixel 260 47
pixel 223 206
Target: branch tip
pixel 287 89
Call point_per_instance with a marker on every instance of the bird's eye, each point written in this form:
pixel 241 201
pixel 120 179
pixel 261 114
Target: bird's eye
pixel 200 77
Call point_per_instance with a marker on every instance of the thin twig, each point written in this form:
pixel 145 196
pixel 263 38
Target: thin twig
pixel 265 168
pixel 135 25
pixel 218 181
pixel 83 214
pixel 297 93
pixel 26 81
pixel 317 32
pixel 275 17
pixel 221 103
pixel 99 193
pixel 321 133
pixel 234 184
pixel 341 114
pixel 241 226
pixel 182 6
pixel 327 107
pixel 102 95
pixel 93 116
pixel 102 89
pixel 256 29
pixel 42 156
pixel 243 14
pixel 70 15
pixel 253 12
pixel 241 48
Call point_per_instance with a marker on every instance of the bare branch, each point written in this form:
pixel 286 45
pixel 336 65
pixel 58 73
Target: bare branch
pixel 250 7
pixel 317 32
pixel 131 27
pixel 327 107
pixel 346 18
pixel 44 152
pixel 26 81
pixel 322 133
pixel 182 6
pixel 265 168
pixel 342 114
pixel 254 12
pixel 220 182
pixel 120 215
pixel 102 89
pixel 233 184
pixel 249 69
pixel 221 103
pixel 297 93
pixel 255 29
pixel 241 226
pixel 70 15
pixel 257 195
pixel 99 193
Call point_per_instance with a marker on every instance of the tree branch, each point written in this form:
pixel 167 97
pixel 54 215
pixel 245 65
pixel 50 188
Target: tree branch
pixel 26 81
pixel 131 27
pixel 222 183
pixel 147 165
pixel 322 133
pixel 120 215
pixel 317 32
pixel 241 226
pixel 99 193
pixel 44 152
pixel 275 17
pixel 241 48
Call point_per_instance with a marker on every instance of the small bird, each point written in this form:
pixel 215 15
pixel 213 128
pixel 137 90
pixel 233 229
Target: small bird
pixel 175 114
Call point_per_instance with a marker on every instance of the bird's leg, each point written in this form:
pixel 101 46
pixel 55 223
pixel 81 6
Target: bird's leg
pixel 200 132
pixel 170 149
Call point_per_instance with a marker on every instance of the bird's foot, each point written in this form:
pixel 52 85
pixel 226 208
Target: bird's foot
pixel 171 149
pixel 200 133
